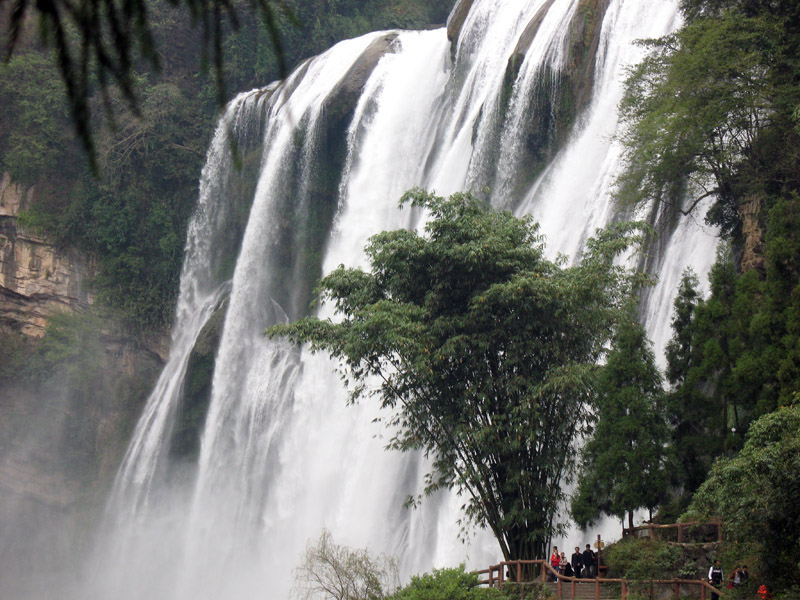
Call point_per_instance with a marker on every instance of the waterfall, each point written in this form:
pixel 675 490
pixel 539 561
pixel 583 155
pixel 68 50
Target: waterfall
pixel 521 108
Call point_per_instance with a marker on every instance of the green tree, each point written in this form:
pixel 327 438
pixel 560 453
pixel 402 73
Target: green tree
pixel 679 347
pixel 101 42
pixel 694 441
pixel 446 584
pixel 483 351
pixel 755 493
pixel 624 462
pixel 709 105
pixel 734 356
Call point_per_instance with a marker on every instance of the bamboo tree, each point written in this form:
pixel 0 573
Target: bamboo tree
pixel 483 352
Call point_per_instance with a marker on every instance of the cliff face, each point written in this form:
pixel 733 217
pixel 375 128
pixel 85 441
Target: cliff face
pixel 37 279
pixel 65 421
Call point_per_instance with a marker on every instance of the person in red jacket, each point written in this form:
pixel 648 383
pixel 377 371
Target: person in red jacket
pixel 555 561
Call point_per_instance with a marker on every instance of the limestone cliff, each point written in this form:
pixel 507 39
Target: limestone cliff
pixel 37 279
pixel 67 409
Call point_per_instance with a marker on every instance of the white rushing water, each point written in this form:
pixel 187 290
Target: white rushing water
pixel 282 456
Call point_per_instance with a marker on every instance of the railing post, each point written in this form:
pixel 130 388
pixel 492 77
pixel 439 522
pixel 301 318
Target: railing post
pixel 624 590
pixel 544 573
pixel 596 588
pixel 677 590
pixel 702 592
pixel 519 571
pixel 572 596
pixel 501 576
pixel 491 576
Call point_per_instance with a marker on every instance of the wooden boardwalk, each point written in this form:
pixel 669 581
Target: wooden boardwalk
pixel 601 588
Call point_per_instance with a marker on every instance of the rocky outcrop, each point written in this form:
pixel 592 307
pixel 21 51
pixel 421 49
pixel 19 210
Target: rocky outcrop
pixel 37 279
pixel 342 99
pixel 560 96
pixel 308 211
pixel 456 20
pixel 752 233
pixel 196 393
pixel 65 423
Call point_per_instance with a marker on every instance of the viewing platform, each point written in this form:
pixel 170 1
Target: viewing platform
pixel 600 588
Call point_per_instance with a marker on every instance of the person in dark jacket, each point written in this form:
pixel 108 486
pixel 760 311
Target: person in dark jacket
pixel 588 562
pixel 577 562
pixel 715 577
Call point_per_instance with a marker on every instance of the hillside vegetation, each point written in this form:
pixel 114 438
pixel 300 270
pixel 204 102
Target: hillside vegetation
pixel 715 131
pixel 714 116
pixel 133 215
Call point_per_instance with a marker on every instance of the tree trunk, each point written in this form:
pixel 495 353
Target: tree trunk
pixel 522 547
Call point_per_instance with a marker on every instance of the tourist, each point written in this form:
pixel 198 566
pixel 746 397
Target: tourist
pixel 588 562
pixel 715 577
pixel 567 568
pixel 577 562
pixel 555 561
pixel 733 578
pixel 743 575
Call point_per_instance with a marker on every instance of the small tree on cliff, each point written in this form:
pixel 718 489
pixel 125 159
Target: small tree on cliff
pixel 483 351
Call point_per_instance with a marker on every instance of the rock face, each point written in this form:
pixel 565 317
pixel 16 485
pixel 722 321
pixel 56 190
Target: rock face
pixel 753 234
pixel 456 20
pixel 560 96
pixel 37 279
pixel 64 426
pixel 307 214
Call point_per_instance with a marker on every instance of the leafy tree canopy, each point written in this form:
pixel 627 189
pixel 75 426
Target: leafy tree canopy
pixel 484 352
pixel 624 462
pixel 735 356
pixel 447 584
pixel 711 109
pixel 755 493
pixel 99 42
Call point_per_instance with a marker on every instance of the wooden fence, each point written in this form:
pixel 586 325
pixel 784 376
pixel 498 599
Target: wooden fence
pixel 567 587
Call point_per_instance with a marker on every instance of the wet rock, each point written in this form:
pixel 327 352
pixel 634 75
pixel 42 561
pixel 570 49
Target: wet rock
pixel 456 20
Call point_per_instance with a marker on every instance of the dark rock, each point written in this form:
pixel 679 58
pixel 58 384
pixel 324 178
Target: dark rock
pixel 456 20
pixel 197 387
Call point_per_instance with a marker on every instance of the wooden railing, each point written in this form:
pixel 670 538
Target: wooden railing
pixel 496 578
pixel 683 530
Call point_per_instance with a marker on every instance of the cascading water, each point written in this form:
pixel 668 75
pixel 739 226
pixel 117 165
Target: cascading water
pixel 282 456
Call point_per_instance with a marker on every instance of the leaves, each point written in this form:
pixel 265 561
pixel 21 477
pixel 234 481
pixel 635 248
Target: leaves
pixel 624 462
pixel 484 351
pixel 702 104
pixel 755 494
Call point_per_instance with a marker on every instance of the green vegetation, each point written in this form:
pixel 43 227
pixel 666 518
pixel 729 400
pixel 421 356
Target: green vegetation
pixel 486 353
pixel 448 584
pixel 755 493
pixel 713 114
pixel 734 356
pixel 132 212
pixel 624 462
pixel 712 110
pixel 637 559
